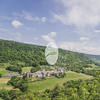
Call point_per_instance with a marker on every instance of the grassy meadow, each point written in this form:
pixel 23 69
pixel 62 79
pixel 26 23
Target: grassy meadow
pixel 53 81
pixel 3 83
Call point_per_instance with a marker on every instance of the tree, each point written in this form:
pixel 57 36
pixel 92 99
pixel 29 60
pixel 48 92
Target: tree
pixel 61 75
pixel 14 68
pixel 0 75
pixel 4 94
pixel 19 82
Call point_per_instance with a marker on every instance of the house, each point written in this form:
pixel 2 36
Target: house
pixel 38 74
pixel 28 74
pixel 48 74
pixel 61 70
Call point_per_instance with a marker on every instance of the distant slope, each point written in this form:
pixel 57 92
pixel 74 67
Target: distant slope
pixel 33 55
pixel 95 58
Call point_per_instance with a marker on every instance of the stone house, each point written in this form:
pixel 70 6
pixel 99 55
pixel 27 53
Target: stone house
pixel 43 73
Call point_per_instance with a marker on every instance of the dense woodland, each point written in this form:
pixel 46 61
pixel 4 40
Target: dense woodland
pixel 32 55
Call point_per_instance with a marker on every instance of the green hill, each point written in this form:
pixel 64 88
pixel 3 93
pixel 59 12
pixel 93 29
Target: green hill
pixel 22 54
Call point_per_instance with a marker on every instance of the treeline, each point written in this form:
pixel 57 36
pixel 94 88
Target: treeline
pixel 14 68
pixel 92 72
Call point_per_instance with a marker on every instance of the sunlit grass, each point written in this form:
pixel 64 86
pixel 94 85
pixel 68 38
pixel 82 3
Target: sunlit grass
pixel 26 69
pixel 53 81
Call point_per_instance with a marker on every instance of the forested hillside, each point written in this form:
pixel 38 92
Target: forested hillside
pixel 33 55
pixel 14 51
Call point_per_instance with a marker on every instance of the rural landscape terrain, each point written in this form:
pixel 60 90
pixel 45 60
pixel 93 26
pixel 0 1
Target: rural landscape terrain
pixel 49 49
pixel 80 80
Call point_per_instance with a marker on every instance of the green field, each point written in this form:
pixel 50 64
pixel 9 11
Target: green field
pixel 53 81
pixel 26 69
pixel 3 83
pixel 3 71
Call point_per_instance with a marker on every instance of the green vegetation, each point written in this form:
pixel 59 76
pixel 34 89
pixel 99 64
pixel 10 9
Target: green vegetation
pixel 3 83
pixel 18 82
pixel 15 56
pixel 93 72
pixel 0 75
pixel 71 90
pixel 40 84
pixel 75 90
pixel 53 81
pixel 95 58
pixel 20 54
pixel 14 68
pixel 26 69
pixel 35 69
pixel 31 55
pixel 20 57
pixel 3 71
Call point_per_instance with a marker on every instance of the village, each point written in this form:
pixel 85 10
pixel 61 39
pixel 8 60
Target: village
pixel 39 74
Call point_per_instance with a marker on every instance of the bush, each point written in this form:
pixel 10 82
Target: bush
pixel 0 75
pixel 14 68
pixel 4 94
pixel 19 82
pixel 61 75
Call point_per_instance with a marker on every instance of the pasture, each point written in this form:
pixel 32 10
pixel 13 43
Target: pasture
pixel 51 82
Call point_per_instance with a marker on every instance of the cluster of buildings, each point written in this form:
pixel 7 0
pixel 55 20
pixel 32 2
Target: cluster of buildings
pixel 44 73
pixel 39 74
